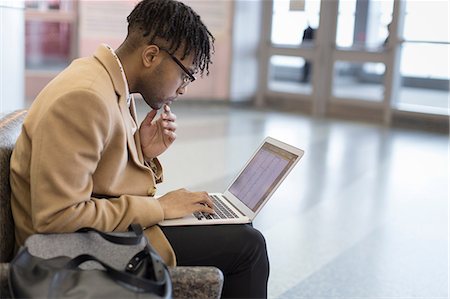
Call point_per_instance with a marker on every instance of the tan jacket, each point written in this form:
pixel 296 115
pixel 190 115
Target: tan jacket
pixel 76 162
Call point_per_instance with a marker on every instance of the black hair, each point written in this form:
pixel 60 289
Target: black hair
pixel 177 24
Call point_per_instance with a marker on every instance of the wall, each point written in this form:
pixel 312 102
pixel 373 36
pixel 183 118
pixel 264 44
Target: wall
pixel 217 16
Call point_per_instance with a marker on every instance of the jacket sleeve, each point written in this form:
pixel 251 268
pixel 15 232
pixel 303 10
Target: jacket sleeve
pixel 67 145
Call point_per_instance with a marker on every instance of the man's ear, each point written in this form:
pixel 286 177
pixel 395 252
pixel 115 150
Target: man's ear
pixel 149 55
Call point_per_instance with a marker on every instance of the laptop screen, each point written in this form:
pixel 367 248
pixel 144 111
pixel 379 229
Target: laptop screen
pixel 261 175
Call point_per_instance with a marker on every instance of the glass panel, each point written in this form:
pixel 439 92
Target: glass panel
pixel 290 74
pixel 427 21
pixel 356 80
pixel 286 15
pixel 47 44
pixel 424 67
pixel 346 23
pixel 363 23
pixel 425 60
pixel 425 72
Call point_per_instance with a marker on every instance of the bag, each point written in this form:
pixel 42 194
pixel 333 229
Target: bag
pixel 89 264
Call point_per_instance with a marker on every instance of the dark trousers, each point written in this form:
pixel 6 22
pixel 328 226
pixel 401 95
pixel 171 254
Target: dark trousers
pixel 306 71
pixel 238 250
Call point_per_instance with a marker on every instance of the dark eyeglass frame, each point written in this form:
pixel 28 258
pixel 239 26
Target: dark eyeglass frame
pixel 190 77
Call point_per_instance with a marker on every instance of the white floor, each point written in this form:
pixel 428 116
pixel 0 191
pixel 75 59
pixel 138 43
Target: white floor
pixel 364 214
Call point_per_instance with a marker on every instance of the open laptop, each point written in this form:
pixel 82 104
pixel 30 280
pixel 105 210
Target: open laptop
pixel 251 189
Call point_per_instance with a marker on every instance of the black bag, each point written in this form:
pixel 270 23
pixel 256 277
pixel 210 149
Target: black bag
pixel 93 265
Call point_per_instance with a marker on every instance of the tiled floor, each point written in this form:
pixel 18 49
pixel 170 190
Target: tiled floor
pixel 363 215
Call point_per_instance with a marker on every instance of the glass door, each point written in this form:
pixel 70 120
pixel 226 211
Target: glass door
pixel 360 57
pixel 370 59
pixel 291 56
pixel 327 53
pixel 424 66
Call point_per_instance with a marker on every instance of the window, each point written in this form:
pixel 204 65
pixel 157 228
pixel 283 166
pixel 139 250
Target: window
pixel 424 66
pixel 290 74
pixel 288 23
pixel 49 34
pixel 363 24
pixel 356 80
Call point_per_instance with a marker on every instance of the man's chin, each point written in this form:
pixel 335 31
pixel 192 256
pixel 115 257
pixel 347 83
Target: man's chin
pixel 159 104
pixel 155 106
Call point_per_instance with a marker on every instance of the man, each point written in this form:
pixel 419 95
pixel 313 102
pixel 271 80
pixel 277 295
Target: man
pixel 81 159
pixel 307 38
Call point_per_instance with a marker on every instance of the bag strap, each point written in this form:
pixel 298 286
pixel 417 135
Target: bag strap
pixel 145 285
pixel 122 240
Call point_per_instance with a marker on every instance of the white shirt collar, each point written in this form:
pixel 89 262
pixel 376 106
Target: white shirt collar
pixel 124 77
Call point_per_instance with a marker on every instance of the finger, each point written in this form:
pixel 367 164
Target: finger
pixel 149 117
pixel 171 135
pixel 169 116
pixel 205 199
pixel 209 209
pixel 166 108
pixel 205 209
pixel 171 126
pixel 210 203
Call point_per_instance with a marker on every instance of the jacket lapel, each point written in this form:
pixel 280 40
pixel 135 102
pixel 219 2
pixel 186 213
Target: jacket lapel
pixel 132 144
pixel 137 138
pixel 108 59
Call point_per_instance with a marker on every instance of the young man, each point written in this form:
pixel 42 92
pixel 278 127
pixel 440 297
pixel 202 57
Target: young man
pixel 82 160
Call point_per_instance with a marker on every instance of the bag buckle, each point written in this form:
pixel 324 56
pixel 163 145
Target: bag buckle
pixel 133 264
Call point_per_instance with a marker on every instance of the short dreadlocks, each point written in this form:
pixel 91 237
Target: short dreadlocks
pixel 177 24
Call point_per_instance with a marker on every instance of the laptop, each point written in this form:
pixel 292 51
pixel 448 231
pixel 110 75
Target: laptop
pixel 251 189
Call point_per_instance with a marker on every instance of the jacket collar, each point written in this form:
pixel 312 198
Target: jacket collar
pixel 105 54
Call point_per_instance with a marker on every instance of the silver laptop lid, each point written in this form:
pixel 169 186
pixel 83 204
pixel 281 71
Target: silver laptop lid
pixel 264 172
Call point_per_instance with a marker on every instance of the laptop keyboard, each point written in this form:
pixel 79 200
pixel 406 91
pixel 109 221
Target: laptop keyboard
pixel 222 211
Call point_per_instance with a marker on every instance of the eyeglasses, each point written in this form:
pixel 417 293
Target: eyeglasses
pixel 189 76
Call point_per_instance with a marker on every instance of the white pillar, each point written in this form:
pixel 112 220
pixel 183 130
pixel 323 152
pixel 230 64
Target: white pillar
pixel 12 55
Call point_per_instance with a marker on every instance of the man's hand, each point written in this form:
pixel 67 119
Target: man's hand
pixel 182 202
pixel 157 136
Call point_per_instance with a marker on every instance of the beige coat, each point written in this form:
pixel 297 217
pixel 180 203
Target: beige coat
pixel 76 162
